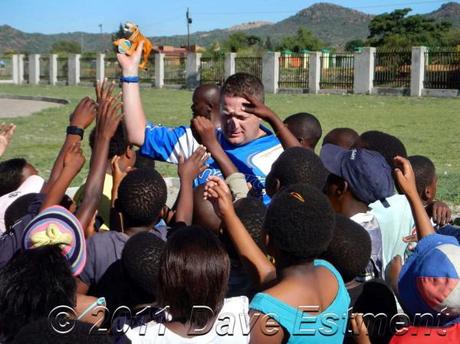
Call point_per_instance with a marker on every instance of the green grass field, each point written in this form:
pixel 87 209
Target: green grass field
pixel 427 126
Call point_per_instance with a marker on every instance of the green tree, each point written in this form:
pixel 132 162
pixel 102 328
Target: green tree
pixel 304 39
pixel 66 47
pixel 398 29
pixel 268 44
pixel 350 46
pixel 254 40
pixel 236 41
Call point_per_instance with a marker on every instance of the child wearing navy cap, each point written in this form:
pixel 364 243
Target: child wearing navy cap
pixel 359 177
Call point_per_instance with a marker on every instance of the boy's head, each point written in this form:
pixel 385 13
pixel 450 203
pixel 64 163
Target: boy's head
pixel 387 145
pixel 296 165
pixel 240 127
pixel 299 223
pixel 343 137
pixel 32 284
pixel 428 281
pixel 206 102
pixel 141 197
pixel 119 145
pixel 143 161
pixel 305 127
pixel 359 173
pixel 141 258
pixel 194 270
pixel 350 248
pixel 425 177
pixel 251 212
pixel 13 173
pixel 203 211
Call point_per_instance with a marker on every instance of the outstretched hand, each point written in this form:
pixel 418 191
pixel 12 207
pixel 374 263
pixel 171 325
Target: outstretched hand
pixel 6 133
pixel 84 113
pixel 74 159
pixel 218 193
pixel 104 90
pixel 130 64
pixel 405 176
pixel 194 165
pixel 258 108
pixel 108 117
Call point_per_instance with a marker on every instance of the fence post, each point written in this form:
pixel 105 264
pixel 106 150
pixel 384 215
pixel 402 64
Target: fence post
pixel 15 68
pixel 74 70
pixel 34 69
pixel 270 71
pixel 417 71
pixel 20 68
pixel 159 70
pixel 229 64
pixel 314 72
pixel 100 67
pixel 53 69
pixel 192 70
pixel 364 65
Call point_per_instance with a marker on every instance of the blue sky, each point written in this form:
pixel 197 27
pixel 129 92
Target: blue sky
pixel 168 17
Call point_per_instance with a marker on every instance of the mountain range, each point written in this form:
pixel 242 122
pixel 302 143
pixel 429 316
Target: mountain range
pixel 333 24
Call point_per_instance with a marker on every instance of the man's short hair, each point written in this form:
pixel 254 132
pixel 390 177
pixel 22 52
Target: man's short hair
pixel 241 84
pixel 11 175
pixel 141 196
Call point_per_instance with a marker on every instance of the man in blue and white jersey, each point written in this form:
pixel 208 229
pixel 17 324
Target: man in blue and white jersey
pixel 248 144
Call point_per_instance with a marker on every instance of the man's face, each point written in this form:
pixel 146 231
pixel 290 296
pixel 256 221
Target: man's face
pixel 239 127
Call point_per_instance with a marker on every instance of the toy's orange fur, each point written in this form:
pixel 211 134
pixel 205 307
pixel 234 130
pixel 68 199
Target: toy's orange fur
pixel 136 38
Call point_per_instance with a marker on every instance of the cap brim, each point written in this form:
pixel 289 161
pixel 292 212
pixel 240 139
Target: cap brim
pixel 331 156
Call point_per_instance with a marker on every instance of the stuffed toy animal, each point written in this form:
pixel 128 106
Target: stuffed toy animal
pixel 128 44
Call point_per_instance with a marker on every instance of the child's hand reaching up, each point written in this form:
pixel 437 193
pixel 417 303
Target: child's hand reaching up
pixel 217 191
pixel 406 180
pixel 405 176
pixel 84 113
pixel 74 159
pixel 190 168
pixel 108 118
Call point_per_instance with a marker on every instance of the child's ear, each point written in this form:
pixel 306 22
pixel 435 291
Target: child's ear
pixel 342 188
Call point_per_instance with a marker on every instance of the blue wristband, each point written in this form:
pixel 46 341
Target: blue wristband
pixel 129 79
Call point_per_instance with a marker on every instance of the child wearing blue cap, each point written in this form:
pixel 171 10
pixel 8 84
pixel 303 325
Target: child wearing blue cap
pixel 429 280
pixel 359 177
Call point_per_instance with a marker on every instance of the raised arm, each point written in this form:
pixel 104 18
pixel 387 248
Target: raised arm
pixel 406 181
pixel 81 118
pixel 132 105
pixel 187 171
pixel 107 120
pixel 219 194
pixel 73 161
pixel 207 132
pixel 262 111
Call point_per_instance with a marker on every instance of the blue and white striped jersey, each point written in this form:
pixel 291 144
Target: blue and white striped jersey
pixel 254 159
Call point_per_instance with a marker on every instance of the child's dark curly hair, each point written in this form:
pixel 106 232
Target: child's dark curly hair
pixel 300 222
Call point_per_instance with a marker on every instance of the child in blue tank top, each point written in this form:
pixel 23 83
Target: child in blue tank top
pixel 307 301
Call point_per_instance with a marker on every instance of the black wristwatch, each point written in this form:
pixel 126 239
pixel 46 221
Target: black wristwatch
pixel 73 130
